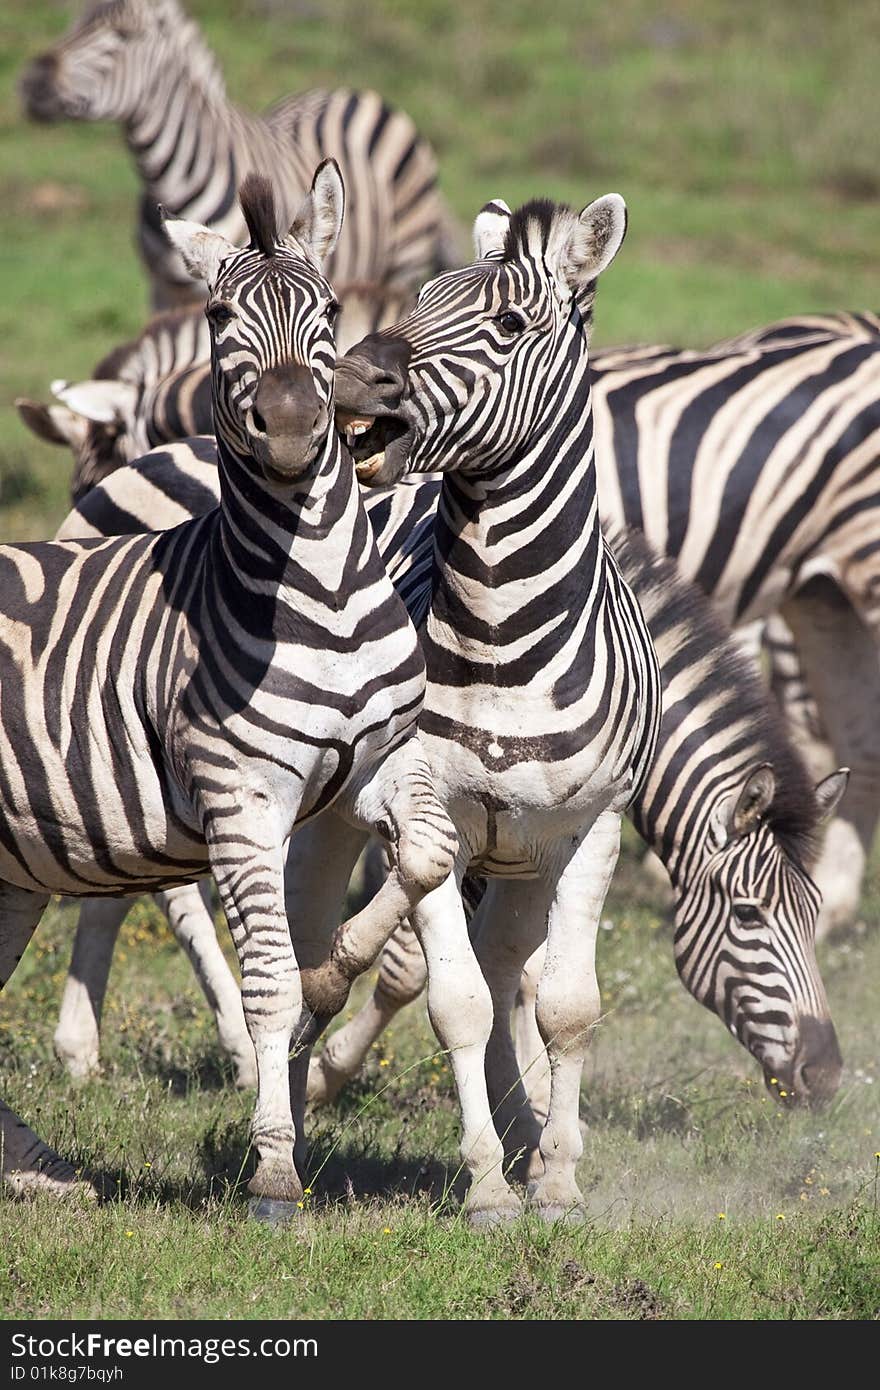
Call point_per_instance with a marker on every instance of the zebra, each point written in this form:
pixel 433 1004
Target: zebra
pixel 729 808
pixel 751 465
pixel 721 755
pixel 175 704
pixel 542 705
pixel 157 387
pixel 145 64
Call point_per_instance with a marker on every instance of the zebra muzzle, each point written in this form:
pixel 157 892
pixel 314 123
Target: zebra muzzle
pixel 369 438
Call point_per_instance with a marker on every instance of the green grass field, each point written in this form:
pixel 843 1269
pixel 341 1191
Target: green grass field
pixel 742 139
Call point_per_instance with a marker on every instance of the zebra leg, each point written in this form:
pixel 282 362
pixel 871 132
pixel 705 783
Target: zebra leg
pixel 77 1036
pixel 510 923
pixel 568 1009
pixel 27 1165
pixel 460 1008
pixel 402 974
pixel 396 800
pixel 320 859
pixel 250 880
pixel 188 910
pixel 839 658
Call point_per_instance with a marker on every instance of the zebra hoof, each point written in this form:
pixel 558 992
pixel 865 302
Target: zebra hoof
pixel 272 1212
pixel 490 1218
pixel 554 1213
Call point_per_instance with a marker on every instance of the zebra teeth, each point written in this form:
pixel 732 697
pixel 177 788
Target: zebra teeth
pixel 368 468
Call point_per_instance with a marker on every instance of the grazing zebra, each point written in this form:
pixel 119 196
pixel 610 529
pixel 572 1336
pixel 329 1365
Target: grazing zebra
pixel 157 388
pixel 729 809
pixel 751 464
pixel 145 64
pixel 176 704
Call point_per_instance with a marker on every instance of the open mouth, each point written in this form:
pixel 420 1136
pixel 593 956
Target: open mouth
pixel 378 443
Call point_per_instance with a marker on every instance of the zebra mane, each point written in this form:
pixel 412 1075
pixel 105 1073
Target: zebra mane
pixel 257 198
pixel 731 680
pixel 538 210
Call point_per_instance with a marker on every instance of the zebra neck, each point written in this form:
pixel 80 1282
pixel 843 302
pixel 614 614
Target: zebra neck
pixel 294 545
pixel 682 829
pixel 182 131
pixel 519 556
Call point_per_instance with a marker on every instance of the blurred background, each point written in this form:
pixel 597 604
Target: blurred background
pixel 742 135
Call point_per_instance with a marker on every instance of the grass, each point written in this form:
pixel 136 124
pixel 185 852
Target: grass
pixel 705 1199
pixel 739 137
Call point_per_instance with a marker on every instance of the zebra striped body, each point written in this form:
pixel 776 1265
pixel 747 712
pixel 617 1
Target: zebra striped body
pixel 716 731
pixel 178 702
pixel 144 64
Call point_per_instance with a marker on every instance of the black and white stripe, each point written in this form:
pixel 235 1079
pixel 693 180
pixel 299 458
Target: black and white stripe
pixel 173 704
pixel 145 64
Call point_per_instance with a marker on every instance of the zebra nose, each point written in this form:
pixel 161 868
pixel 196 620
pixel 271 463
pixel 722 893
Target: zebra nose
pixel 818 1063
pixel 37 87
pixel 288 421
pixel 373 374
pixel 287 403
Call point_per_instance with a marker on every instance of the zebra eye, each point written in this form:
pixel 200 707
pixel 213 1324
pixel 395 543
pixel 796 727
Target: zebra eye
pixel 333 309
pixel 748 915
pixel 511 323
pixel 220 313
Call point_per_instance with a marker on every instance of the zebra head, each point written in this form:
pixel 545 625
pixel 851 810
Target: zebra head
pixel 97 419
pixel 745 935
pixel 271 316
pixel 108 61
pixel 494 356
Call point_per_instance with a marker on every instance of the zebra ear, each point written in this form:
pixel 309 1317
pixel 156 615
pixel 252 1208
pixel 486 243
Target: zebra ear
pixel 490 229
pixel 754 800
pixel 203 251
pixel 102 401
pixel 593 241
pixel 829 791
pixel 53 423
pixel 317 225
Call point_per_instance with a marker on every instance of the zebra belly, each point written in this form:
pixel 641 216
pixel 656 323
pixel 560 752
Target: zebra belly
pixel 513 820
pixel 91 858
